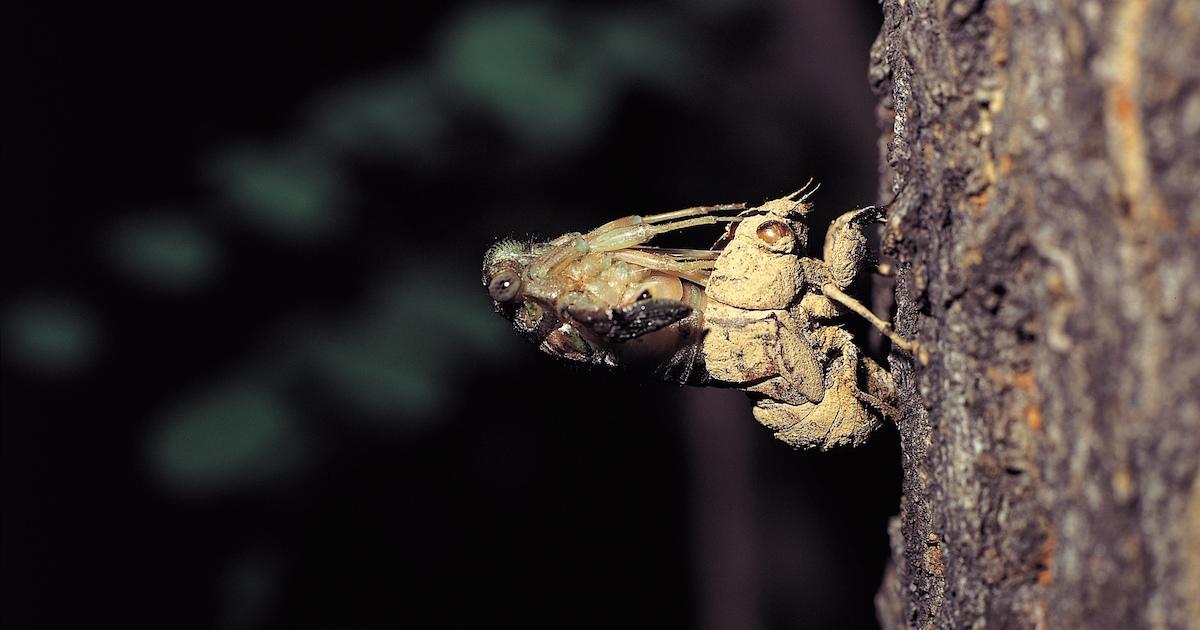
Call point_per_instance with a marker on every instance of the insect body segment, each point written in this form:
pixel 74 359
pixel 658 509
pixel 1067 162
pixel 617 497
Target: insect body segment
pixel 753 312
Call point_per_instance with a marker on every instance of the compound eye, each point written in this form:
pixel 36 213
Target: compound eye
pixel 771 232
pixel 505 287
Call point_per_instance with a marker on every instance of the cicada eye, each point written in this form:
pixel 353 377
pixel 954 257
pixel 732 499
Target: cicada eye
pixel 772 232
pixel 505 287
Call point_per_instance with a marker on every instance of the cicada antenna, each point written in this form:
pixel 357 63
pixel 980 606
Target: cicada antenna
pixel 805 192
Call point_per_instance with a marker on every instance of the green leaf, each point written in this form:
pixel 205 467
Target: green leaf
pixel 527 69
pixel 235 436
pixel 394 115
pixel 54 335
pixel 167 251
pixel 294 194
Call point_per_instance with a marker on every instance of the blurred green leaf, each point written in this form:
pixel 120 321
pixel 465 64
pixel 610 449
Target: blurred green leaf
pixel 294 194
pixel 395 360
pixel 395 115
pixel 452 306
pixel 387 381
pixel 167 251
pixel 54 335
pixel 526 68
pixel 233 436
pixel 639 47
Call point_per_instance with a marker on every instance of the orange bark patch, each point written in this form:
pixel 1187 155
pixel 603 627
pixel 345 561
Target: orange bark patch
pixel 1033 413
pixel 1127 142
pixel 1006 164
pixel 1123 104
pixel 979 200
pixel 1000 35
pixel 1046 558
pixel 1033 416
pixel 1024 380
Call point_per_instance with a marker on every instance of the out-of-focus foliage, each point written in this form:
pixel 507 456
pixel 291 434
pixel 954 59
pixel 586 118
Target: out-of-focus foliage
pixel 235 435
pixel 640 47
pixel 50 334
pixel 523 68
pixel 394 360
pixel 388 365
pixel 394 116
pixel 167 250
pixel 292 192
pixel 547 74
pixel 295 335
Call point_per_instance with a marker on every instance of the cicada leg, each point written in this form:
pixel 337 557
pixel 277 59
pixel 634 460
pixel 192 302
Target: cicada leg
pixel 663 217
pixel 694 270
pixel 840 417
pixel 627 232
pixel 622 237
pixel 846 244
pixel 911 346
pixel 845 414
pixel 880 388
pixel 563 249
pixel 845 255
pixel 796 359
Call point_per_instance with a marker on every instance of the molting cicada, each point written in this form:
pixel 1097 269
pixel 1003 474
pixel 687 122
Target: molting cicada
pixel 753 312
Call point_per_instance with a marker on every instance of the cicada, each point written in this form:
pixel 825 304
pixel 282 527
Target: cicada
pixel 754 311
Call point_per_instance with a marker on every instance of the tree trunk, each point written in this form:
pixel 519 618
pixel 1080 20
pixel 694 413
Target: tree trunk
pixel 1044 157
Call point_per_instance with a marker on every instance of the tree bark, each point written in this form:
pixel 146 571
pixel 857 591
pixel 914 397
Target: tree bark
pixel 1044 157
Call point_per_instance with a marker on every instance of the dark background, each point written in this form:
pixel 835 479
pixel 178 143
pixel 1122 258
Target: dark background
pixel 250 377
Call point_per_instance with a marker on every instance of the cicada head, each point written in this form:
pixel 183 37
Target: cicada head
pixel 505 274
pixel 504 266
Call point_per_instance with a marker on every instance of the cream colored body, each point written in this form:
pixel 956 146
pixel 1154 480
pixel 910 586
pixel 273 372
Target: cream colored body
pixel 766 330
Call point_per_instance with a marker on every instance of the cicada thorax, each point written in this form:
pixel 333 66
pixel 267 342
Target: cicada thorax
pixel 757 334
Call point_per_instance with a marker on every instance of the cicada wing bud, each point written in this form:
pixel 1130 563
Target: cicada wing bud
pixel 645 316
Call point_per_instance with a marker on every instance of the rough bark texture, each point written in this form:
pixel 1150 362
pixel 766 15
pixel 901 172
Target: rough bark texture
pixel 1045 158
